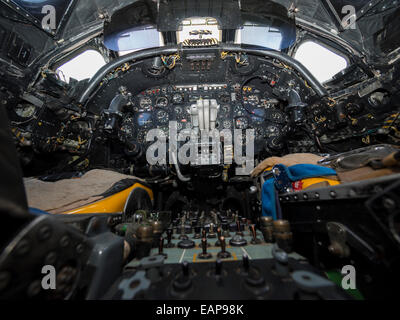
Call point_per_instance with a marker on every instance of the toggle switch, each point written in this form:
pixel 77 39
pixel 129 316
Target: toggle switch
pixel 223 254
pixel 161 248
pixel 253 230
pixel 204 255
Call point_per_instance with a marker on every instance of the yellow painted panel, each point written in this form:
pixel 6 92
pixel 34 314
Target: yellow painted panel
pixel 311 181
pixel 111 204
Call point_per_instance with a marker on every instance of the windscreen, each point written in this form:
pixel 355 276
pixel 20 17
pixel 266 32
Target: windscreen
pixel 132 39
pixel 272 34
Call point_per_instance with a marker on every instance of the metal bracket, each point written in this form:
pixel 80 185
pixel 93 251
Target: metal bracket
pixel 131 286
pixel 310 282
pixel 340 235
pixel 337 235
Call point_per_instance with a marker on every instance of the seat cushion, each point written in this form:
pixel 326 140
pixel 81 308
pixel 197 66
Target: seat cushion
pixel 67 194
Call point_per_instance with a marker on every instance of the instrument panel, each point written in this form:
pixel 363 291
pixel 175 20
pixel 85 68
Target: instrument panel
pixel 156 107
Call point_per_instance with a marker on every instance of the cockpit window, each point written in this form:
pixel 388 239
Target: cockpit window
pixel 133 39
pixel 263 36
pixel 276 32
pixel 81 67
pixel 320 61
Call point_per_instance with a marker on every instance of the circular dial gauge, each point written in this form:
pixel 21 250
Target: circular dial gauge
pixel 145 103
pixel 242 123
pixel 178 110
pixel 177 98
pixel 227 124
pixel 162 116
pixel 238 110
pixel 272 130
pixel 161 102
pixel 127 127
pixel 277 117
pixel 226 108
pixel 25 110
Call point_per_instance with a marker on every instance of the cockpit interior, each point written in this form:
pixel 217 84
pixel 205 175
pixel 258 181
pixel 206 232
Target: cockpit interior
pixel 187 149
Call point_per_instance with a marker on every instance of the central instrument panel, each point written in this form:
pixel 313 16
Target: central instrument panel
pixel 157 107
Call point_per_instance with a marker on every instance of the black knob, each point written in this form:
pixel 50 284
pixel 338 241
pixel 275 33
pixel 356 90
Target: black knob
pixel 170 232
pixel 185 269
pixel 197 231
pixel 186 244
pixel 169 235
pixel 183 235
pixel 161 247
pixel 183 282
pixel 219 232
pixel 204 245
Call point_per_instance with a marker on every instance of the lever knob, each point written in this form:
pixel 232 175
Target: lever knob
pixel 223 254
pixel 204 245
pixel 185 268
pixel 255 240
pixel 218 267
pixel 223 244
pixel 204 255
pixel 161 248
pixel 170 232
pixel 246 263
pixel 183 282
pixel 169 235
pixel 219 234
pixel 239 228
